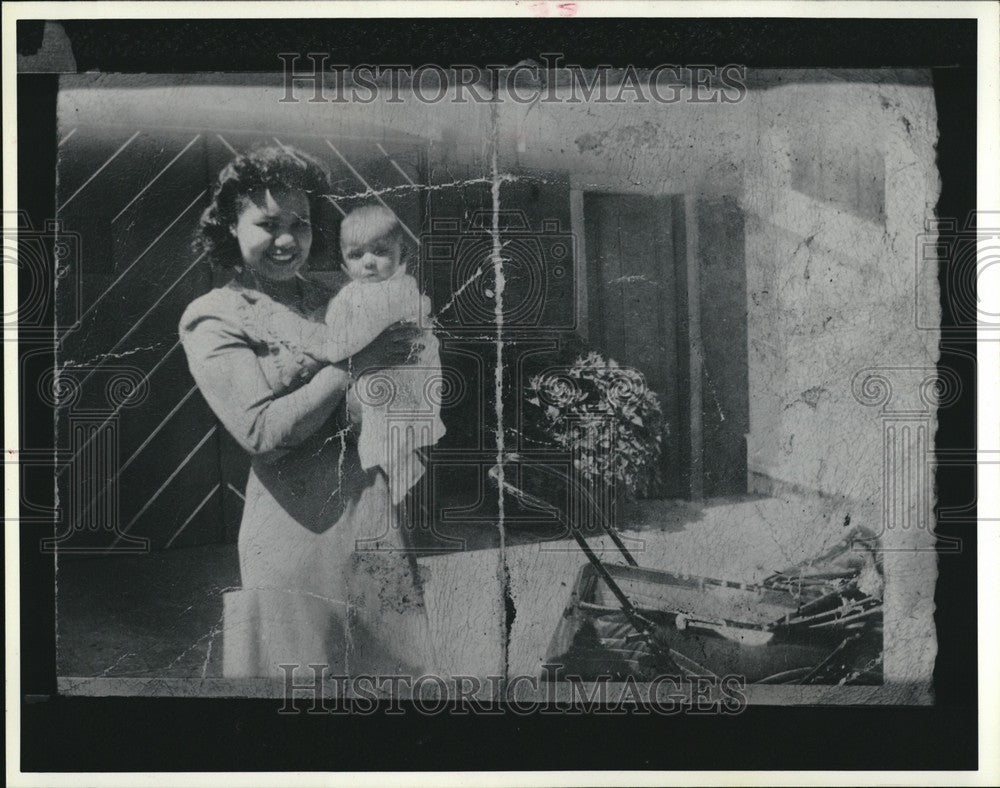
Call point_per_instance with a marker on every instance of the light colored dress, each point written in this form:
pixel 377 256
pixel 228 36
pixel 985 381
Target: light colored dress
pixel 327 578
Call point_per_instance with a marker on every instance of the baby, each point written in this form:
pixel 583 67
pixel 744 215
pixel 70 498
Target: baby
pixel 400 409
pixel 399 405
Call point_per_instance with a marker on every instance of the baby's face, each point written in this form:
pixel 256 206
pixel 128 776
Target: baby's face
pixel 371 248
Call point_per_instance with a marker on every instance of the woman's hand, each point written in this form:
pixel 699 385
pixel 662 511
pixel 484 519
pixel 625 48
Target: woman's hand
pixel 394 347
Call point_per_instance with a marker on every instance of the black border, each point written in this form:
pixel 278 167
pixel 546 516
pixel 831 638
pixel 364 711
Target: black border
pixel 116 734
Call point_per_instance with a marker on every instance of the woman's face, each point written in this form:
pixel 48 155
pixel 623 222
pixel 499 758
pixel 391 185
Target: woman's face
pixel 274 232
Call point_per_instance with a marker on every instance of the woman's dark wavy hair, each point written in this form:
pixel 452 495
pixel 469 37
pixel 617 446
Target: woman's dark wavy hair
pixel 267 167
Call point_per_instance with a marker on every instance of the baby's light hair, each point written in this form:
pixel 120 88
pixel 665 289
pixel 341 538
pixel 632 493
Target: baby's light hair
pixel 371 213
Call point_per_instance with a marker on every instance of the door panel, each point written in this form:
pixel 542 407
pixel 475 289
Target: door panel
pixel 725 404
pixel 639 311
pixel 635 284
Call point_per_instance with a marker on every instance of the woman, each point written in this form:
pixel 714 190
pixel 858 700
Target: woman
pixel 326 577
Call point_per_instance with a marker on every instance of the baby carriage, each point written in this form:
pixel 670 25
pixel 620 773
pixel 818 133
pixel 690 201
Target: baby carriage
pixel 817 622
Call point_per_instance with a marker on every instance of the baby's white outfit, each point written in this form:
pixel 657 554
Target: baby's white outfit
pixel 401 406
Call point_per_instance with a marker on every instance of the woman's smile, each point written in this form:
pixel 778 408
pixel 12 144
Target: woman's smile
pixel 283 256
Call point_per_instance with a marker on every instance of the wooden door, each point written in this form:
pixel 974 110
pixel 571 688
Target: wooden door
pixel 636 295
pixel 644 294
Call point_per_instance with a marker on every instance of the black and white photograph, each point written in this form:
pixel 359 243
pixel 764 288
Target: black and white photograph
pixel 566 384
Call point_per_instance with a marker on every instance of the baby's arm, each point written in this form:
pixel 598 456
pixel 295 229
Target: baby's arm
pixel 361 312
pixel 351 324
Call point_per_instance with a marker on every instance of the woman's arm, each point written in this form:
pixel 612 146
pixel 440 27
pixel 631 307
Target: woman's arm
pixel 230 378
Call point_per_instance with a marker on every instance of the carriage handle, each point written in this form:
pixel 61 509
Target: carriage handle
pixel 538 503
pixel 638 620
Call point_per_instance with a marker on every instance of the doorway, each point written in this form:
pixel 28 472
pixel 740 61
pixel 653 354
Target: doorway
pixel 666 294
